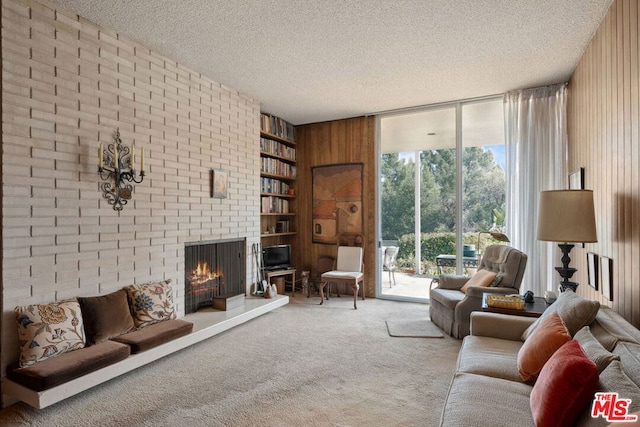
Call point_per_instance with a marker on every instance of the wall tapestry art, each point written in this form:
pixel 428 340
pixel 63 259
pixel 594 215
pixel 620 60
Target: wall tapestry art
pixel 337 201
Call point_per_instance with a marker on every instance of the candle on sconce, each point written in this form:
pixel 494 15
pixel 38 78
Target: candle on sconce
pixel 120 173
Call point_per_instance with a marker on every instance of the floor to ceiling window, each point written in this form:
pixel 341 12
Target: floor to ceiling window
pixel 428 190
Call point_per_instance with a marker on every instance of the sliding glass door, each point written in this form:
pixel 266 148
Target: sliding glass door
pixel 429 191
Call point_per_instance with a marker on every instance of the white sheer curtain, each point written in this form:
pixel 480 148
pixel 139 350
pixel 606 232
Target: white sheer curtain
pixel 536 135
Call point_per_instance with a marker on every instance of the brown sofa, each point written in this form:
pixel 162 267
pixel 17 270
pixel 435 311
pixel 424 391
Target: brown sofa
pixel 111 336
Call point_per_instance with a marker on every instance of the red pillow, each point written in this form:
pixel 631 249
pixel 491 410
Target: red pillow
pixel 565 387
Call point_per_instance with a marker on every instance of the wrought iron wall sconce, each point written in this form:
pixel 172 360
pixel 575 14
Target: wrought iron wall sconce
pixel 116 167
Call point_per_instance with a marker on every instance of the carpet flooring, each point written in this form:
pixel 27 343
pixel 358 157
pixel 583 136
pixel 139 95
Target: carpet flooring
pixel 300 365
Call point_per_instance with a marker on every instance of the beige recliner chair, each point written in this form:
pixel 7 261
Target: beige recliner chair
pixel 451 309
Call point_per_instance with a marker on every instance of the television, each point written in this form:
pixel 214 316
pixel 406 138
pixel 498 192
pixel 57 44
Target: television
pixel 276 257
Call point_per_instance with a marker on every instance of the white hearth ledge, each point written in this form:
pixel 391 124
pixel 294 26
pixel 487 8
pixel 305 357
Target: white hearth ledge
pixel 206 323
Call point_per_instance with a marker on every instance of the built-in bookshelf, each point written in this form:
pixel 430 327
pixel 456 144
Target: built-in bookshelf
pixel 277 179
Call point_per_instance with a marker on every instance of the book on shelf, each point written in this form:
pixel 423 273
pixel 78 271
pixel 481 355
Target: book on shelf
pixel 273 186
pixel 277 167
pixel 277 126
pixel 273 204
pixel 276 148
pixel 282 227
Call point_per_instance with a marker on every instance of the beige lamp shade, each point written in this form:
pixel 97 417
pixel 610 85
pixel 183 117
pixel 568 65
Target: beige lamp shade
pixel 567 216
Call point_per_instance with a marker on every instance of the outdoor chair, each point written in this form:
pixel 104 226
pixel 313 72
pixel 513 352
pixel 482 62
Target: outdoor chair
pixel 389 263
pixel 500 272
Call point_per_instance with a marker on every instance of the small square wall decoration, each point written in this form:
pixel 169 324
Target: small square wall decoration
pixel 606 277
pixel 219 184
pixel 576 179
pixel 592 269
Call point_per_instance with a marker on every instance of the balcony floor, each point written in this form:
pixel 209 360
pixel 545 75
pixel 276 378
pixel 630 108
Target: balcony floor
pixel 408 285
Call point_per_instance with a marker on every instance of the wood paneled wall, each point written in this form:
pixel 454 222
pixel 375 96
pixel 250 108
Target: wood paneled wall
pixel 603 123
pixel 340 141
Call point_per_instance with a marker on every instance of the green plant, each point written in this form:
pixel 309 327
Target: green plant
pixel 434 244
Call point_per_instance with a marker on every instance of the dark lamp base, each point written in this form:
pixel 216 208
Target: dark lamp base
pixel 568 286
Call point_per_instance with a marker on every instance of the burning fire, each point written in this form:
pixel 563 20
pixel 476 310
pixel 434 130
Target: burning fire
pixel 202 274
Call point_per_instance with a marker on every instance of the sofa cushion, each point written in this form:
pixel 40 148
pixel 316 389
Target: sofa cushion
pixel 477 400
pixel 155 334
pixel 615 325
pixel 493 357
pixel 151 303
pixel 564 387
pixel 48 330
pixel 603 336
pixel 106 316
pixel 447 297
pixel 66 367
pixel 574 310
pixel 629 354
pixel 613 379
pixel 592 347
pixel 482 278
pixel 548 337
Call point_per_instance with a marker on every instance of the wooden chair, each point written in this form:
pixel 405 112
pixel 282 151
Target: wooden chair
pixel 348 269
pixel 325 263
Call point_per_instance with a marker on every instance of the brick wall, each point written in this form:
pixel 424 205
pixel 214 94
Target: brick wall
pixel 67 85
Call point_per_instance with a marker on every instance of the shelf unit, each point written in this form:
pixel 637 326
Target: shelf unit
pixel 277 180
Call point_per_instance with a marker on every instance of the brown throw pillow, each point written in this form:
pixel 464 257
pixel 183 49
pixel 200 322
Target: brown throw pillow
pixel 106 316
pixel 482 278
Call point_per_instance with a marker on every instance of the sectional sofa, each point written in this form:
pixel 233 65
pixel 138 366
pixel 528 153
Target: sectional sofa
pixel 598 351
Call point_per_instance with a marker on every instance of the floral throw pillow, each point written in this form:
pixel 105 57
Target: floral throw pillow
pixel 48 330
pixel 151 303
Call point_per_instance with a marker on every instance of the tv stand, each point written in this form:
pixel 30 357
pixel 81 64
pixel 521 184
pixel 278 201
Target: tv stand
pixel 268 275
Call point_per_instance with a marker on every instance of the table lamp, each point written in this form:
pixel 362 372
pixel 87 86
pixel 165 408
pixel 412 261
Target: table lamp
pixel 567 217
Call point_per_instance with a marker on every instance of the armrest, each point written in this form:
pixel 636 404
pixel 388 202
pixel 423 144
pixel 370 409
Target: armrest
pixel 452 281
pixel 503 326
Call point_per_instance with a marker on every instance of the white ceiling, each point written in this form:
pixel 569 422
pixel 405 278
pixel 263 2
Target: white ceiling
pixel 316 60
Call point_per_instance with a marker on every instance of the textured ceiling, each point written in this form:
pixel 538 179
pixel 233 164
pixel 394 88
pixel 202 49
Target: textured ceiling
pixel 315 60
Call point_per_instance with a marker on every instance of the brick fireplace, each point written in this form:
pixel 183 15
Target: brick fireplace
pixel 213 269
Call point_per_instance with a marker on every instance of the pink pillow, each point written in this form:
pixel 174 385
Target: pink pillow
pixel 549 336
pixel 565 387
pixel 482 278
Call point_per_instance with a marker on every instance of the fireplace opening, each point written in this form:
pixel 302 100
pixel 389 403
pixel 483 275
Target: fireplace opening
pixel 213 269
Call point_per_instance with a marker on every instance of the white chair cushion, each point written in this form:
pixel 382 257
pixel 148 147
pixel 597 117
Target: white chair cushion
pixel 345 275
